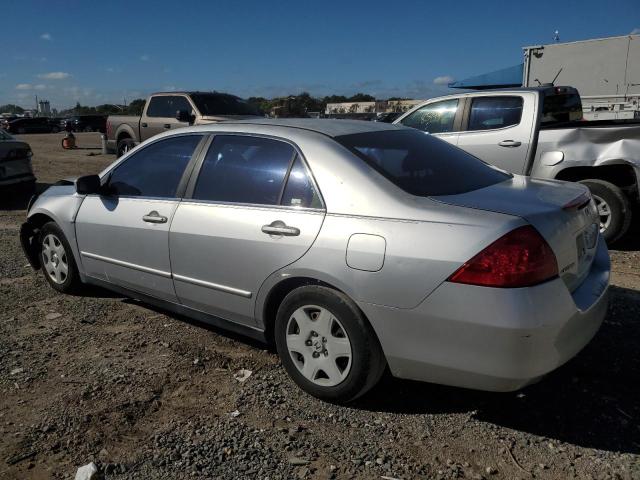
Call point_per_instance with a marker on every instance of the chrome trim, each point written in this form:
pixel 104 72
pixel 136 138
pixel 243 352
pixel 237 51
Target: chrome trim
pixel 214 286
pixel 126 264
pixel 254 206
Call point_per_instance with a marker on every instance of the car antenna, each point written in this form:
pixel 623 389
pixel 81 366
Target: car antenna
pixel 556 77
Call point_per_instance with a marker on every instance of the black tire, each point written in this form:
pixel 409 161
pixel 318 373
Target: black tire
pixel 124 146
pixel 617 203
pixel 88 129
pixel 71 281
pixel 367 359
pixel 22 130
pixel 55 130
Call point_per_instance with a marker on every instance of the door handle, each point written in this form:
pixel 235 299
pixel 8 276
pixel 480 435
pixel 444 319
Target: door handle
pixel 280 228
pixel 167 125
pixel 510 143
pixel 154 217
pixel 143 125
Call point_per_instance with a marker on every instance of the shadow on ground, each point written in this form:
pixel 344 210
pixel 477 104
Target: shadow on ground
pixel 592 401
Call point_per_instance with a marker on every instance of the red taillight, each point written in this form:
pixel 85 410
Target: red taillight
pixel 521 258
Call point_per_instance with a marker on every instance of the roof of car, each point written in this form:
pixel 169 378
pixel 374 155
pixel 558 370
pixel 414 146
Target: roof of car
pixel 325 126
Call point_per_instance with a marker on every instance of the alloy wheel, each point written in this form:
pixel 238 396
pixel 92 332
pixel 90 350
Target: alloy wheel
pixel 604 212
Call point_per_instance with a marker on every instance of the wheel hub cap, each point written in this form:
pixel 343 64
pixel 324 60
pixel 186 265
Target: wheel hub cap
pixel 319 345
pixel 54 259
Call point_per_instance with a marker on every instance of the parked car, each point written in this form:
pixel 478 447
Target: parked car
pixel 57 124
pixel 352 245
pixel 170 110
pixel 87 123
pixel 15 163
pixel 539 132
pixel 29 125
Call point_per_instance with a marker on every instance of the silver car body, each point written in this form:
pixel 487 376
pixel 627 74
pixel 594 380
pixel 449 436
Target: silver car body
pixel 389 251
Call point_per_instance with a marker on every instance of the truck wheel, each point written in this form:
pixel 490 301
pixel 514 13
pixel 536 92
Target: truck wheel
pixel 124 146
pixel 613 208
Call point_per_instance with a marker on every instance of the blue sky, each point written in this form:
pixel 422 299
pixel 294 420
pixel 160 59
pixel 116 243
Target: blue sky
pixel 97 52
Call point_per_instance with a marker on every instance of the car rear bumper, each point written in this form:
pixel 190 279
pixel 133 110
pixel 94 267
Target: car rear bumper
pixel 491 338
pixel 17 179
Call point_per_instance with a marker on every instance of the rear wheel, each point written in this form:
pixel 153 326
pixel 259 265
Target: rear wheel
pixel 58 265
pixel 326 345
pixel 124 146
pixel 88 129
pixel 613 208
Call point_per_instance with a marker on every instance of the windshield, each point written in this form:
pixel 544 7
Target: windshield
pixel 561 108
pixel 421 164
pixel 222 104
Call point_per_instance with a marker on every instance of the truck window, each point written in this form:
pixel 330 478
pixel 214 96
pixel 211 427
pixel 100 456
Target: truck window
pixel 222 104
pixel 561 108
pixel 436 117
pixel 494 112
pixel 166 106
pixel 420 164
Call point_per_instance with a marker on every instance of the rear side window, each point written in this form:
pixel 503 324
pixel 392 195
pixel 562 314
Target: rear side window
pixel 422 164
pixel 156 170
pixel 300 190
pixel 433 118
pixel 561 108
pixel 494 112
pixel 244 169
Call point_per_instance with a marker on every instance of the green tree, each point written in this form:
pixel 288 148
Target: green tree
pixel 361 97
pixel 11 108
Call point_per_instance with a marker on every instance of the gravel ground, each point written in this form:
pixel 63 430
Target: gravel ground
pixel 145 394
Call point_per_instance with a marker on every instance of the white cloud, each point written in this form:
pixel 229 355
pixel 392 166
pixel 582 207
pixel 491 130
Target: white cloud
pixel 40 86
pixel 46 36
pixel 24 86
pixel 635 31
pixel 144 58
pixel 443 80
pixel 54 75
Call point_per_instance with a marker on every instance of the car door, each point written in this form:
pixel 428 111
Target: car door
pixel 251 209
pixel 441 118
pixel 495 129
pixel 123 235
pixel 161 115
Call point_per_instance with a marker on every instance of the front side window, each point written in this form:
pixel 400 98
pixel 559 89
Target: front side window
pixel 434 118
pixel 244 169
pixel 422 164
pixel 494 112
pixel 156 170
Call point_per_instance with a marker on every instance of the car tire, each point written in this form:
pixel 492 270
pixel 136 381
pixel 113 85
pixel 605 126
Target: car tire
pixel 57 261
pixel 613 208
pixel 55 130
pixel 323 368
pixel 22 130
pixel 88 129
pixel 124 146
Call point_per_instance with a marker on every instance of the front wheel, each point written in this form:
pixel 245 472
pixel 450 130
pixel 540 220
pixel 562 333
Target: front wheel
pixel 58 265
pixel 326 345
pixel 613 208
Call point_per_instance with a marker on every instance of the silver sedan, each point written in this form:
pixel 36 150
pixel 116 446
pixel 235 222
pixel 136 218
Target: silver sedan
pixel 352 246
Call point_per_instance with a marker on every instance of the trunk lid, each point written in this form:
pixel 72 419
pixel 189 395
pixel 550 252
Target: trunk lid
pixel 562 212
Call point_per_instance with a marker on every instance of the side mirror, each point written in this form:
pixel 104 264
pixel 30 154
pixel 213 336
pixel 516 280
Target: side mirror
pixel 184 116
pixel 88 184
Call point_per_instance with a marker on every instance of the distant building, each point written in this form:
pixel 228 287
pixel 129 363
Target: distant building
pixel 368 110
pixel 44 108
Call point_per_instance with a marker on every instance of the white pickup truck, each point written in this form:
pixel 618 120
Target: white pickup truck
pixel 540 132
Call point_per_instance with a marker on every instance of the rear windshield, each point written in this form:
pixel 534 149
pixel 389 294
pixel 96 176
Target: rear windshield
pixel 222 104
pixel 421 164
pixel 561 108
